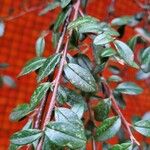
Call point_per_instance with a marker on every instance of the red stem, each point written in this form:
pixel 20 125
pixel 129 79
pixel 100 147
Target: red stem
pixel 117 109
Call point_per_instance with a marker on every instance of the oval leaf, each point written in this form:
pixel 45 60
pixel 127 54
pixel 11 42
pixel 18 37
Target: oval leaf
pixel 80 77
pixel 103 39
pixel 48 66
pixel 25 136
pixel 129 88
pixel 40 46
pixel 125 52
pixel 123 146
pixel 108 128
pixel 101 111
pixel 32 65
pixel 66 134
pixel 20 112
pixel 39 93
pixel 143 127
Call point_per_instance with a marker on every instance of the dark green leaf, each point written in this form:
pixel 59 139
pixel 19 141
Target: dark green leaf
pixel 66 115
pixel 133 41
pixel 49 7
pixel 39 93
pixel 125 53
pixel 20 112
pixel 103 39
pixel 2 28
pixel 101 110
pixel 129 88
pixel 108 128
pixel 119 99
pixel 60 19
pixel 123 146
pixel 26 136
pixel 40 46
pixel 66 134
pixel 64 3
pixel 55 38
pixel 143 127
pixel 81 21
pixel 145 60
pixel 84 61
pixel 80 77
pixel 48 66
pixel 114 78
pixel 32 65
pixel 9 81
pixel 108 52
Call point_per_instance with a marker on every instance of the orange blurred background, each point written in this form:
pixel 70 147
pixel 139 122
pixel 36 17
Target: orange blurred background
pixel 17 46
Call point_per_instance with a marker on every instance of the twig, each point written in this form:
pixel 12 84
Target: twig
pixel 58 77
pixel 32 9
pixel 117 110
pixel 92 119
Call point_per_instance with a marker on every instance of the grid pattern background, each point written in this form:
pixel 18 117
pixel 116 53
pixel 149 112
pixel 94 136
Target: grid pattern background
pixel 17 46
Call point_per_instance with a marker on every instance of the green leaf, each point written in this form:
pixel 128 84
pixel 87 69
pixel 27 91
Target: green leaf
pixel 114 78
pixel 64 3
pixel 145 60
pixel 40 46
pixel 103 39
pixel 48 145
pixel 78 109
pixel 9 81
pixel 66 134
pixel 2 28
pixel 101 111
pixel 48 66
pixel 80 77
pixel 123 146
pixel 20 112
pixel 67 115
pixel 121 20
pixel 129 88
pixel 81 21
pixel 108 52
pixel 108 128
pixel 13 147
pixel 84 61
pixel 114 69
pixel 133 41
pixel 125 53
pixel 26 136
pixel 49 7
pixel 32 65
pixel 28 125
pixel 39 94
pixel 142 75
pixel 143 127
pixel 119 99
pixel 90 27
pixel 60 19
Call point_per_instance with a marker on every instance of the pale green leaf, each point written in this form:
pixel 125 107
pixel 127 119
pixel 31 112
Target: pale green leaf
pixel 64 3
pixel 66 134
pixel 80 77
pixel 40 46
pixel 25 136
pixel 129 88
pixel 143 127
